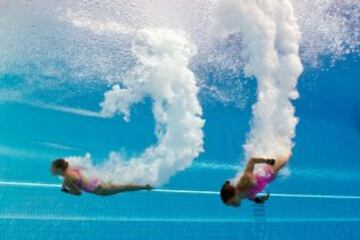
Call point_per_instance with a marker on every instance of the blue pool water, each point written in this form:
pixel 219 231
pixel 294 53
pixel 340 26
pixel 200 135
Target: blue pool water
pixel 325 162
pixel 47 111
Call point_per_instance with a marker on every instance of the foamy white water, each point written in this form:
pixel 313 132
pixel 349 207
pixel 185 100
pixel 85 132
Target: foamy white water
pixel 163 74
pixel 271 37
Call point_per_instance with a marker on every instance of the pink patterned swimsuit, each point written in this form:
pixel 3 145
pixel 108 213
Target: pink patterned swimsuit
pixel 262 176
pixel 87 184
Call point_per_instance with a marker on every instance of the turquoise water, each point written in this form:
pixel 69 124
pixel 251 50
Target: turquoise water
pixel 49 108
pixel 325 162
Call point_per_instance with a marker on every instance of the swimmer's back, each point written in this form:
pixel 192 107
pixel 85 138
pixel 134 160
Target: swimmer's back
pixel 81 181
pixel 262 176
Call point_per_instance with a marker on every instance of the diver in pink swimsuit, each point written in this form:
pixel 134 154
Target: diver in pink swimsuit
pixel 253 181
pixel 76 181
pixel 87 184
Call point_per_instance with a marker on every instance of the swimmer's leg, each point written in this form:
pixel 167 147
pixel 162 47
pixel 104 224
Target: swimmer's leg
pixel 106 189
pixel 280 163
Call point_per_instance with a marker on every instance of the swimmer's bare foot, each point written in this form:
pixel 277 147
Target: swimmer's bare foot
pixel 148 187
pixel 270 161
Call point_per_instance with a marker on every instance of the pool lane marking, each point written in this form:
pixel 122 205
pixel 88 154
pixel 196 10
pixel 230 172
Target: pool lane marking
pixel 180 220
pixel 29 184
pixel 284 195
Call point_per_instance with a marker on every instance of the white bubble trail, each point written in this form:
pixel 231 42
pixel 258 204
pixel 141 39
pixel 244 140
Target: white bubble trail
pixel 271 39
pixel 163 74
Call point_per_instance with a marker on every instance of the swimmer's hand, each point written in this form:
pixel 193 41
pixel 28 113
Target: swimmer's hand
pixel 261 199
pixel 270 161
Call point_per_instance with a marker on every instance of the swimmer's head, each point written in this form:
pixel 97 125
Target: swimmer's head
pixel 59 166
pixel 228 195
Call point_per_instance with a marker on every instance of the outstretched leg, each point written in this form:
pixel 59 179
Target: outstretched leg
pixel 106 189
pixel 251 163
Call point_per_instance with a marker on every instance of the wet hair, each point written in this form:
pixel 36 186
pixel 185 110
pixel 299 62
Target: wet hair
pixel 60 163
pixel 227 192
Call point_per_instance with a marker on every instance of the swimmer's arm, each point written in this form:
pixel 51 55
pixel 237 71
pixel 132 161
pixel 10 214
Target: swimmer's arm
pixel 71 188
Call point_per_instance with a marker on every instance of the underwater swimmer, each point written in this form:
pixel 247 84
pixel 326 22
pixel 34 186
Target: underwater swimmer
pixel 75 181
pixel 252 181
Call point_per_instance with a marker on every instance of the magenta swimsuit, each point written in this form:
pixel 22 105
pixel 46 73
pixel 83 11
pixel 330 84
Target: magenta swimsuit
pixel 262 176
pixel 87 184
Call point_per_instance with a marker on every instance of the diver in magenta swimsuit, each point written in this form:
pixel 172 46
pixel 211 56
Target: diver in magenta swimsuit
pixel 76 181
pixel 252 181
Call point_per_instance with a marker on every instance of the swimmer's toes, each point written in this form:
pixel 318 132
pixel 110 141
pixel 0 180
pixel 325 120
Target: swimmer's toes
pixel 271 162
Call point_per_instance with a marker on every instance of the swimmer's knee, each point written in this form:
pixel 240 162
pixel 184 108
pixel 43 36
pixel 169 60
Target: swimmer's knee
pixel 279 164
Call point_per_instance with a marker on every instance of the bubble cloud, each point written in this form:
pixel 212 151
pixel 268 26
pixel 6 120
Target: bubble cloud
pixel 271 37
pixel 163 74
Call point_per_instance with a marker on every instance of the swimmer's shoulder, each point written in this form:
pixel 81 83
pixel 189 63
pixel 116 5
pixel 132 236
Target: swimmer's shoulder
pixel 71 176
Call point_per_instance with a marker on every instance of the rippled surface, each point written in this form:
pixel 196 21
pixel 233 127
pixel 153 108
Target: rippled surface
pixel 65 55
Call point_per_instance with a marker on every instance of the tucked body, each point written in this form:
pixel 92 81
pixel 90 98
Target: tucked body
pixel 252 181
